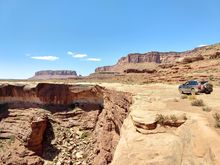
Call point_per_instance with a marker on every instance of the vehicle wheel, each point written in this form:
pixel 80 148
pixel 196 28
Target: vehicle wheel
pixel 207 92
pixel 193 92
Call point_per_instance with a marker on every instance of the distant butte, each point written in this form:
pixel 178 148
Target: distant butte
pixel 54 74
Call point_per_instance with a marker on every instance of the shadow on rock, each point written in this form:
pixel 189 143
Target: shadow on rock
pixel 3 111
pixel 49 150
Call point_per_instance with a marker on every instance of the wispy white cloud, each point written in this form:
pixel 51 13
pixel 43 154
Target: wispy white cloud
pixel 93 59
pixel 28 54
pixel 70 53
pixel 46 58
pixel 202 45
pixel 79 55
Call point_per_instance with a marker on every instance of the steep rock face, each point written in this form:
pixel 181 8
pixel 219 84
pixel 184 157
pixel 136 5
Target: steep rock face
pixel 35 137
pixel 45 93
pixel 21 136
pixel 103 69
pixel 140 58
pixel 55 74
pixel 116 109
pixel 134 58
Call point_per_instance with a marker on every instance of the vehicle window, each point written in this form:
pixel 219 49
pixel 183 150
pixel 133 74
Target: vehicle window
pixel 193 83
pixel 203 82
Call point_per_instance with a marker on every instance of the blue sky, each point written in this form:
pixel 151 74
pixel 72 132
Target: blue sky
pixel 84 34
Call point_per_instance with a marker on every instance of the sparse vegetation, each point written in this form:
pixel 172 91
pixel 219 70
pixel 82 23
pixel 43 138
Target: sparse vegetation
pixel 184 117
pixel 216 116
pixel 183 97
pixel 176 100
pixel 192 97
pixel 161 119
pixel 211 77
pixel 166 120
pixel 206 109
pixel 198 103
pixel 84 135
pixel 173 118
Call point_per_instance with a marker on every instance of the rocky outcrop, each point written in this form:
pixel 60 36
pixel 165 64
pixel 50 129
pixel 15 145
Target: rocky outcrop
pixel 188 59
pixel 139 71
pixel 54 74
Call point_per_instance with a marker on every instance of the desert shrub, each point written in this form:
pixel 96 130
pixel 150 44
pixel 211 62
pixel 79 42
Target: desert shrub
pixel 206 109
pixel 216 116
pixel 184 117
pixel 183 97
pixel 173 118
pixel 176 100
pixel 215 56
pixel 161 119
pixel 211 77
pixel 198 103
pixel 84 135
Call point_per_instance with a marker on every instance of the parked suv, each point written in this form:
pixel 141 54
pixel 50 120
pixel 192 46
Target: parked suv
pixel 195 87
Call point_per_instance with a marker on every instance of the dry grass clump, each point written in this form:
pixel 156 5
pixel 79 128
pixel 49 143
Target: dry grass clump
pixel 166 120
pixel 198 103
pixel 192 97
pixel 216 116
pixel 183 96
pixel 207 109
pixel 161 119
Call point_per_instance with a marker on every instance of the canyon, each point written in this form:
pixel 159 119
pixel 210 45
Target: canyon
pixel 105 123
pixel 58 123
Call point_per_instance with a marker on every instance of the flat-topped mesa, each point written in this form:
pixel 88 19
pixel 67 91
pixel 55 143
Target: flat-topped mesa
pixel 55 74
pixel 45 93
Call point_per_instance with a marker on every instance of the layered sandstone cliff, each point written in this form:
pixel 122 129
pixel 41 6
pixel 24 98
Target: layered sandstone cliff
pixel 138 61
